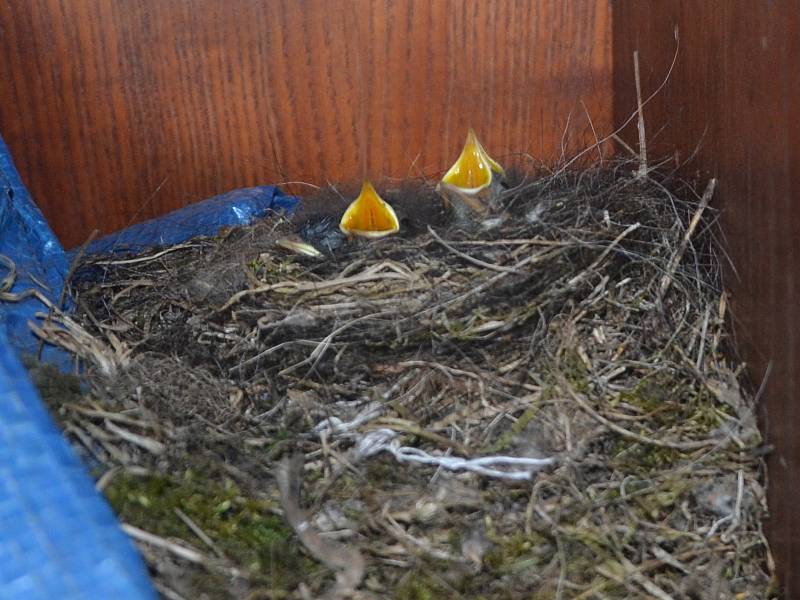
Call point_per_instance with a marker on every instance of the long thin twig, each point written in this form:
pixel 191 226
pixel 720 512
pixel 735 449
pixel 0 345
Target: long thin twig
pixel 642 173
pixel 693 445
pixel 472 259
pixel 583 274
pixel 178 550
pixel 666 281
pixel 346 561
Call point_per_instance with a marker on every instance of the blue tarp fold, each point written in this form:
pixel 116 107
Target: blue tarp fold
pixel 238 207
pixel 58 536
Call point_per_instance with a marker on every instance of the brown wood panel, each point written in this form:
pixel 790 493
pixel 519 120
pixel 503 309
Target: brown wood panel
pixel 730 110
pixel 120 110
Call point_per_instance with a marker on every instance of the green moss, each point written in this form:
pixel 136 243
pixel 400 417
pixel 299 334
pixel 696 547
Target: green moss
pixel 436 580
pixel 454 539
pixel 574 370
pixel 510 553
pixel 583 543
pixel 641 459
pixel 507 438
pixel 419 586
pixel 652 393
pixel 519 554
pixel 255 266
pixel 54 387
pixel 456 330
pixel 664 499
pixel 668 399
pixel 243 528
pixel 279 443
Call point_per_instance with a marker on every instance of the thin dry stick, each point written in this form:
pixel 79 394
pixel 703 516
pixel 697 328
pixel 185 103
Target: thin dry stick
pixel 63 295
pixel 396 530
pixel 642 173
pixel 323 345
pixel 146 443
pixel 198 532
pixel 494 279
pixel 178 550
pixel 650 587
pixel 11 276
pixel 383 271
pixel 580 276
pixel 143 259
pixel 597 141
pixel 629 434
pixel 10 279
pixel 168 593
pixel 475 261
pixel 345 561
pixel 595 590
pixel 666 281
pixel 633 115
pixel 698 365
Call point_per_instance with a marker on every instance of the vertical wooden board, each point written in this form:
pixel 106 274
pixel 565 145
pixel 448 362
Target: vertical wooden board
pixel 729 110
pixel 117 111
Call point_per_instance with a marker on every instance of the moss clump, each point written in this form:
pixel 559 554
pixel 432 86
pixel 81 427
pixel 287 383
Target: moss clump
pixel 439 580
pixel 574 370
pixel 510 551
pixel 54 387
pixel 243 528
pixel 507 438
pixel 642 459
pixel 667 399
pixel 419 586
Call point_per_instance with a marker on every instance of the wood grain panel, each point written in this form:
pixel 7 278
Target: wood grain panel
pixel 120 110
pixel 729 109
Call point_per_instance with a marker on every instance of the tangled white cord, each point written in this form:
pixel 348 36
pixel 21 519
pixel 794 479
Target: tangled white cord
pixel 335 426
pixel 385 440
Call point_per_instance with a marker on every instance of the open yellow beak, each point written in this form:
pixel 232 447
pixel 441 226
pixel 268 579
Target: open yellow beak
pixel 369 215
pixel 474 169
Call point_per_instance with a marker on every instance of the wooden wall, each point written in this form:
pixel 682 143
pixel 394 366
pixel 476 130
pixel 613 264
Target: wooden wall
pixel 120 110
pixel 730 108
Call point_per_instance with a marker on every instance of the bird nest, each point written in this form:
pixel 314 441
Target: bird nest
pixel 543 406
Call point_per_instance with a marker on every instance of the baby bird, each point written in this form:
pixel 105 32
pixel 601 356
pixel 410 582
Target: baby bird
pixel 472 184
pixel 368 216
pixel 317 235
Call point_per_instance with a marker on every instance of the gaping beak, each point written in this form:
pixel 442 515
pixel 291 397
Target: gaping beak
pixel 369 215
pixel 472 175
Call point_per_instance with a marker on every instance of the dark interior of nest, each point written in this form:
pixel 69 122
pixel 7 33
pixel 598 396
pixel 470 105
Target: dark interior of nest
pixel 587 323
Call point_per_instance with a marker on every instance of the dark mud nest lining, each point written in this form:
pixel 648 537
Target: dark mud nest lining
pixel 589 328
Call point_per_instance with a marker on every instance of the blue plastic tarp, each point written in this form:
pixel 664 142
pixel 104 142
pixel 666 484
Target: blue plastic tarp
pixel 40 261
pixel 238 207
pixel 58 536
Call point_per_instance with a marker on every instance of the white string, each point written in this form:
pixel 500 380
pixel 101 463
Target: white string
pixel 385 440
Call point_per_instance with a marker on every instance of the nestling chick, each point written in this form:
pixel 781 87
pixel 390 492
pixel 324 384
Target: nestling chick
pixel 368 216
pixel 317 235
pixel 473 183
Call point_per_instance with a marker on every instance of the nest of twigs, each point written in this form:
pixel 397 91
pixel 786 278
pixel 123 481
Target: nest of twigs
pixel 283 426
